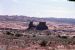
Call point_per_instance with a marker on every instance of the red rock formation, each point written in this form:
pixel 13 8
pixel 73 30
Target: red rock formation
pixel 42 26
pixel 31 26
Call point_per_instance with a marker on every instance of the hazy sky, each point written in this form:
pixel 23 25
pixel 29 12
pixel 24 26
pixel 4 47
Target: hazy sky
pixel 38 8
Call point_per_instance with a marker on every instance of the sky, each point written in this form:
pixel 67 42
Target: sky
pixel 38 8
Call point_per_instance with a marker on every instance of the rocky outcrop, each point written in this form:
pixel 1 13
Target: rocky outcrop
pixel 31 25
pixel 41 26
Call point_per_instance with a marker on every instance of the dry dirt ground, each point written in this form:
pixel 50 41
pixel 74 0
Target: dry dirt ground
pixel 59 36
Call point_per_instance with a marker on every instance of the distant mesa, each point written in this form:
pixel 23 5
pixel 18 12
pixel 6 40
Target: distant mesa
pixel 40 26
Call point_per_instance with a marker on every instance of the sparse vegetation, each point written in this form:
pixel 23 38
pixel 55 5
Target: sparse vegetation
pixel 9 33
pixel 34 38
pixel 18 35
pixel 43 43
